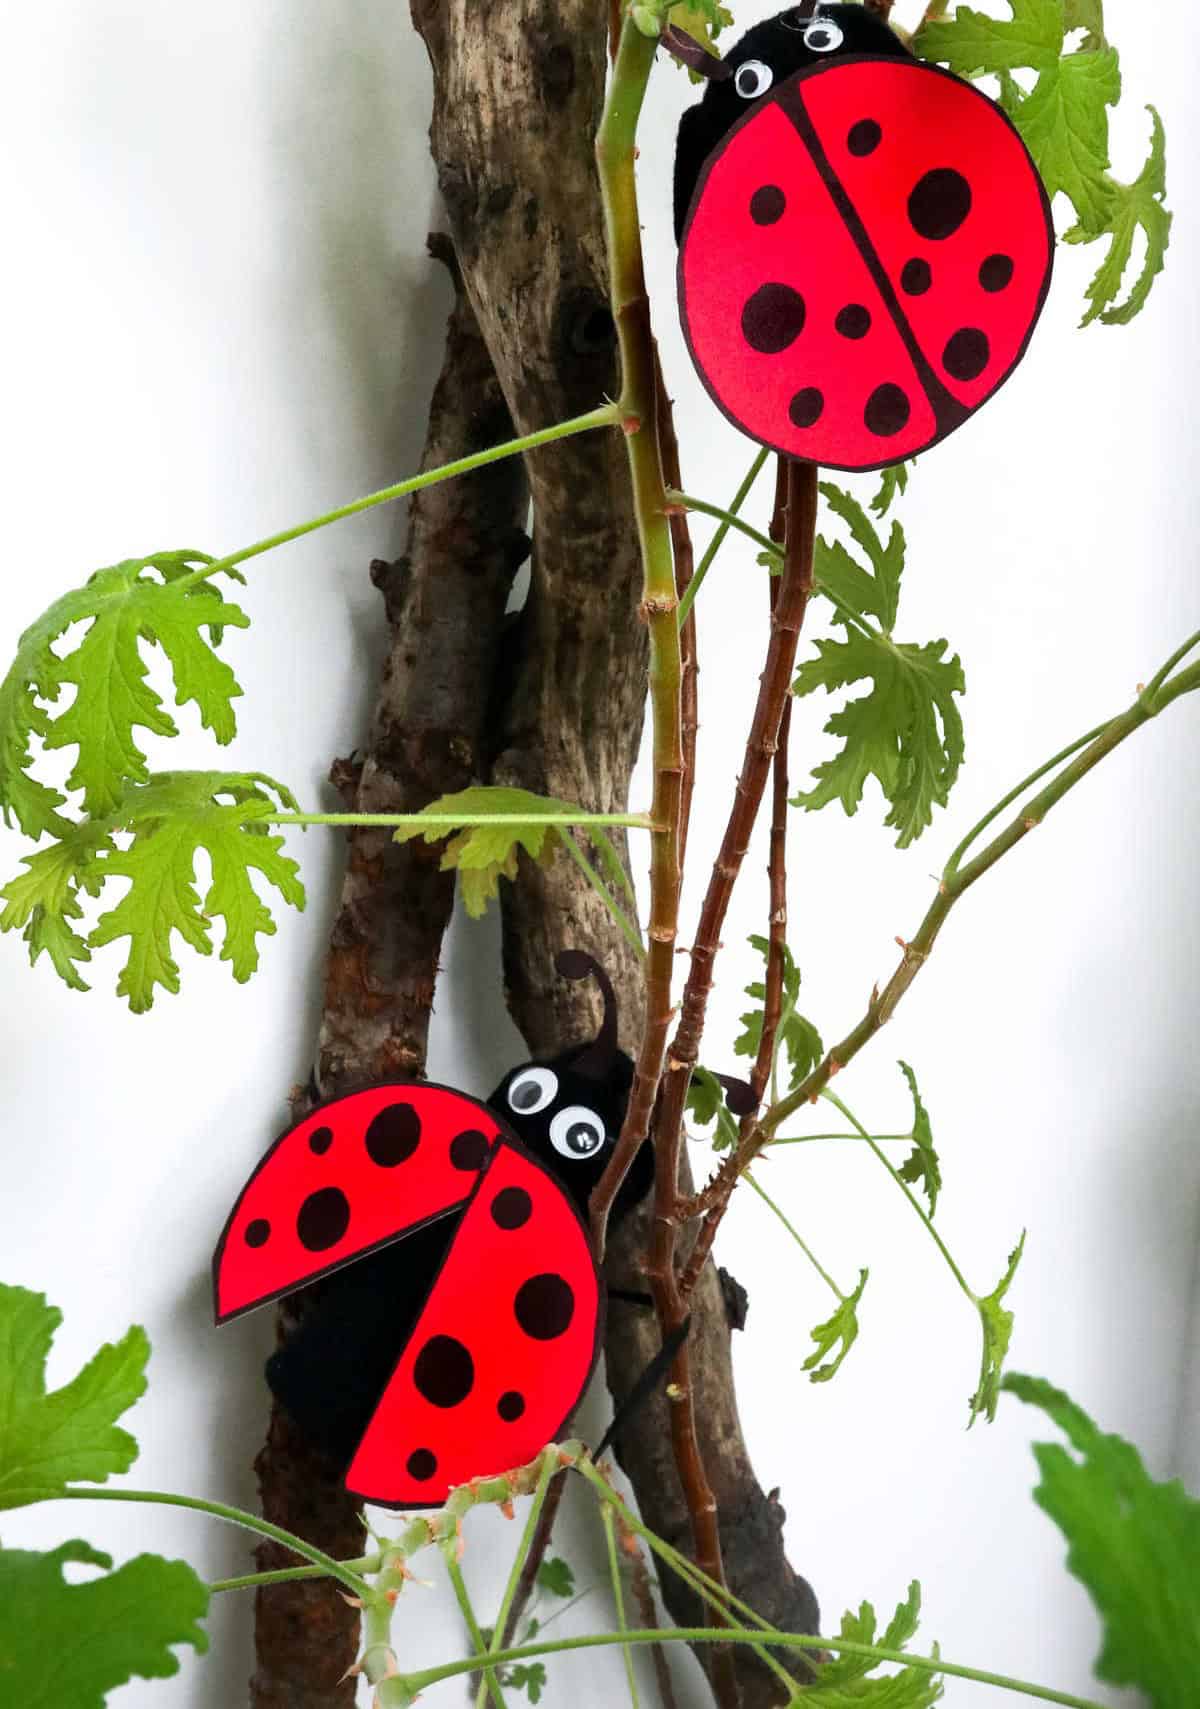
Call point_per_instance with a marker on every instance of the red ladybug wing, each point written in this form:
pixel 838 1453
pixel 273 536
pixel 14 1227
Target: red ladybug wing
pixel 502 1351
pixel 766 265
pixel 359 1171
pixel 947 191
pixel 865 258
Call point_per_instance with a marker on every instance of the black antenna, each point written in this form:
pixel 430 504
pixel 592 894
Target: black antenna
pixel 594 1060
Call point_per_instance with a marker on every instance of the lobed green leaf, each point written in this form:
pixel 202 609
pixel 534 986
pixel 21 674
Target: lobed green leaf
pixel 66 1646
pixel 1133 1542
pixel 921 1166
pixel 843 1683
pixel 839 1331
pixel 48 1440
pixel 483 854
pixel 906 732
pixel 796 1038
pixel 1064 122
pixel 170 819
pixel 997 1325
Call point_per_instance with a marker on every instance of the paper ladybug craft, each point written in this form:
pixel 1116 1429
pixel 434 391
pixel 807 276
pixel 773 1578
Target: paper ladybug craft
pixel 463 1310
pixel 864 242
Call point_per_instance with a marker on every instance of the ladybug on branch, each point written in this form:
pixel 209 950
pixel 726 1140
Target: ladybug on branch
pixel 864 242
pixel 463 1310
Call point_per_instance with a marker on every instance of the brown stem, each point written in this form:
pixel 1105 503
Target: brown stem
pixel 795 585
pixel 681 546
pixel 705 1202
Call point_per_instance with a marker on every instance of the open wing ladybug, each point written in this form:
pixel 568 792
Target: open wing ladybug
pixel 864 242
pixel 461 1341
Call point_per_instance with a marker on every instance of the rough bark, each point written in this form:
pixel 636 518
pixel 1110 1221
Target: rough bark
pixel 518 93
pixel 444 603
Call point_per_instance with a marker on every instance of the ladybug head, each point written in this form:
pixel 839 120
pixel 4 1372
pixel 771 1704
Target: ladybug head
pixel 805 35
pixel 568 1109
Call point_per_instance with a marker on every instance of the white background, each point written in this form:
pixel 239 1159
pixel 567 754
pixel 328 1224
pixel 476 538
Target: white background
pixel 218 319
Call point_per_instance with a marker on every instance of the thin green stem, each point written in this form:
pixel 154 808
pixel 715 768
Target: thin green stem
pixel 602 840
pixel 614 1570
pixel 1160 676
pixel 234 1516
pixel 729 518
pixel 916 951
pixel 417 1682
pixel 1015 794
pixel 608 415
pixel 458 821
pixel 726 1605
pixel 728 521
pixel 904 1187
pixel 797 1237
pixel 856 1138
pixel 545 1474
pixel 287 1575
pixel 462 1597
pixel 632 936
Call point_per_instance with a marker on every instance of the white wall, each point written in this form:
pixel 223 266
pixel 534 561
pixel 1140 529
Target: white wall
pixel 219 319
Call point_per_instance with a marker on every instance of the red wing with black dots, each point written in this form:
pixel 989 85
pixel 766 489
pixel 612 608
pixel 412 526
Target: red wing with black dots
pixel 865 258
pixel 357 1172
pixel 500 1356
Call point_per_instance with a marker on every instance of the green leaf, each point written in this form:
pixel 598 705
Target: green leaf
pixel 66 1646
pixel 906 732
pixel 555 1575
pixel 173 818
pixel 482 853
pixel 705 1103
pixel 71 1434
pixel 997 1326
pixel 1135 205
pixel 877 590
pixel 843 1683
pixel 703 20
pixel 1133 1542
pixel 1064 122
pixel 526 1676
pixel 796 1038
pixel 892 482
pixel 43 903
pixel 139 601
pixel 921 1166
pixel 841 1328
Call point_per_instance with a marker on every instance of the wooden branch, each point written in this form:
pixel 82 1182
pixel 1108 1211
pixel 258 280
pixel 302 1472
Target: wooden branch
pixel 444 603
pixel 518 93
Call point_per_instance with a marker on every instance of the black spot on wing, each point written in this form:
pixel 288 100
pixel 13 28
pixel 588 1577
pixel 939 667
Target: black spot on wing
pixel 967 353
pixel 511 1208
pixel 939 203
pixel 544 1306
pixel 444 1371
pixel 323 1219
pixel 393 1135
pixel 887 410
pixel 773 318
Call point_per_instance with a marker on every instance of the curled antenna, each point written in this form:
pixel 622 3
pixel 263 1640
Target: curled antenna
pixel 595 1059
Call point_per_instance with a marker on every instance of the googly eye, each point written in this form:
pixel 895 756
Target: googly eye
pixel 532 1090
pixel 753 79
pixel 576 1132
pixel 823 36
